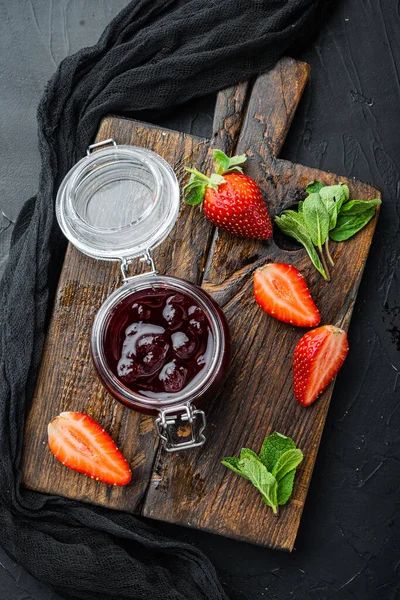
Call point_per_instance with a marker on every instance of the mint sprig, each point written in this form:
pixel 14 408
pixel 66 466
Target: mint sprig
pixel 272 472
pixel 326 213
pixel 292 223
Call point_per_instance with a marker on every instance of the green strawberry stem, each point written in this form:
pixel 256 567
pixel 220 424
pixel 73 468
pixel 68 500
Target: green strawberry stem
pixel 224 164
pixel 328 254
pixel 197 174
pixel 198 178
pixel 322 257
pixel 195 189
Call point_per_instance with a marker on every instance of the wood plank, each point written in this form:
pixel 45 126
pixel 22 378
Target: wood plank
pixel 257 398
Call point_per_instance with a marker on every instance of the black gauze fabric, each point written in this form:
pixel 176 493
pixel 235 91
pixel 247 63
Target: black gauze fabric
pixel 153 55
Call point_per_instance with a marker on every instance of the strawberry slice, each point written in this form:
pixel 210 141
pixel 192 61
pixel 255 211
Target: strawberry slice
pixel 317 358
pixel 282 292
pixel 81 444
pixel 231 200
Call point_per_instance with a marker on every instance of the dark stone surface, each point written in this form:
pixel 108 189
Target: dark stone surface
pixel 348 122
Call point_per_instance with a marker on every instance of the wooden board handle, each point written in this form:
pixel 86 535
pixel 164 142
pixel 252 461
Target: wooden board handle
pixel 273 102
pixel 228 117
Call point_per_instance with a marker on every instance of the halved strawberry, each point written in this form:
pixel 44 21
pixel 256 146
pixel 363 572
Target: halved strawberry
pixel 81 444
pixel 231 200
pixel 317 358
pixel 282 292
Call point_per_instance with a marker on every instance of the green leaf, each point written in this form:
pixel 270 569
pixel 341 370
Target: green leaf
pixel 246 453
pixel 262 479
pixel 278 456
pixel 232 463
pixel 292 223
pixel 329 201
pixel 239 159
pixel 288 461
pixel 316 219
pixel 221 161
pixel 194 193
pixel 274 446
pixel 300 206
pixel 332 209
pixel 333 196
pixel 339 193
pixel 285 487
pixel 349 225
pixel 314 187
pixel 224 164
pixel 195 189
pixel 355 207
pixel 346 191
pixel 216 180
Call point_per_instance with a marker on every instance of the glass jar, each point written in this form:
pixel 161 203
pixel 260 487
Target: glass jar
pixel 118 203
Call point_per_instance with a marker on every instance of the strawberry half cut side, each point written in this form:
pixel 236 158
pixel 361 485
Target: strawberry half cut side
pixel 317 358
pixel 81 444
pixel 282 292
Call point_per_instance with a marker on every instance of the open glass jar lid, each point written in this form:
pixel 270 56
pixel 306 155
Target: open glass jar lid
pixel 118 202
pixel 160 345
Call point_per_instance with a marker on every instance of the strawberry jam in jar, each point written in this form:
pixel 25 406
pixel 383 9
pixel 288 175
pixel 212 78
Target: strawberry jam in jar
pixel 160 345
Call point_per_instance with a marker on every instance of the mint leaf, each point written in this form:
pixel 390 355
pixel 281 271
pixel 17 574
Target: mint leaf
pixel 349 225
pixel 288 461
pixel 314 187
pixel 355 207
pixel 339 193
pixel 316 219
pixel 247 453
pixel 262 479
pixel 332 209
pixel 285 487
pixel 292 223
pixel 273 472
pixel 232 463
pixel 274 446
pixel 346 191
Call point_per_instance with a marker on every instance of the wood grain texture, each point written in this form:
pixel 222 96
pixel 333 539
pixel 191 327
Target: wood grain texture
pixel 257 398
pixel 67 380
pixel 228 117
pixel 193 488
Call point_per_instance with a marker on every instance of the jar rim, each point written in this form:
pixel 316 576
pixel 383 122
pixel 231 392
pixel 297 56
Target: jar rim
pixel 115 386
pixel 79 175
pixel 101 169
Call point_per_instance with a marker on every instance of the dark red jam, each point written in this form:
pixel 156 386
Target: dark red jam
pixel 159 343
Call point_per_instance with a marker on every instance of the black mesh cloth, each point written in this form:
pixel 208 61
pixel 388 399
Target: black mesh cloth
pixel 153 55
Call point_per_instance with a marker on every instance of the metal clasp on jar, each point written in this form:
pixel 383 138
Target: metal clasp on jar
pixel 145 258
pixel 181 427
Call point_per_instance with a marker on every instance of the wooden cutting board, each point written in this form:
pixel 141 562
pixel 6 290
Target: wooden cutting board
pixel 193 488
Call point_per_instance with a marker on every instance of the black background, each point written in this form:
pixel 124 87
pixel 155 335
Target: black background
pixel 348 122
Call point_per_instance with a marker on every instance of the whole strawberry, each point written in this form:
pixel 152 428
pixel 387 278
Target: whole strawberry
pixel 231 199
